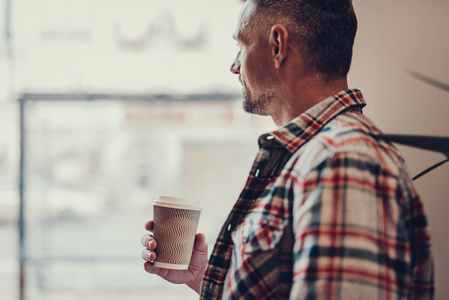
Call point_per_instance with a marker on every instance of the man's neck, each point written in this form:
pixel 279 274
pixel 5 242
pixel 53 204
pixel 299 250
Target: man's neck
pixel 303 95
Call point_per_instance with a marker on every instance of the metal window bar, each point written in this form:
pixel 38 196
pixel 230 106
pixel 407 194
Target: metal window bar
pixel 27 97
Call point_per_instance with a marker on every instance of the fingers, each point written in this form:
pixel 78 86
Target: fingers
pixel 149 242
pixel 149 226
pixel 148 255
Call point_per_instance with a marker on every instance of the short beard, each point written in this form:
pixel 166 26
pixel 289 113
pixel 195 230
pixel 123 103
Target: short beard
pixel 258 106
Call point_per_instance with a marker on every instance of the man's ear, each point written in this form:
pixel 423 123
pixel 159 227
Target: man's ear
pixel 279 44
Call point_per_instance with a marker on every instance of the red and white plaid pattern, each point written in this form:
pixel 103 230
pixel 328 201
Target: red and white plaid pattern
pixel 328 212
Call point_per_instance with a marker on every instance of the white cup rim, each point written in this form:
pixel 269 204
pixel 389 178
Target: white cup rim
pixel 175 202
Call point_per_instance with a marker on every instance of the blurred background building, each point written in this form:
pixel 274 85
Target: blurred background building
pixel 167 120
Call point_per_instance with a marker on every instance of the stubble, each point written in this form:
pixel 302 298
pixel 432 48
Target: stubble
pixel 257 106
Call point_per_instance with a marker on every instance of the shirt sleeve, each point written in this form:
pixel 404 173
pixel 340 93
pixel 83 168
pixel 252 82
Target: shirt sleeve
pixel 350 242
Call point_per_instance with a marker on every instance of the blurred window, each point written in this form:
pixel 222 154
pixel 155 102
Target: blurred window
pixel 92 170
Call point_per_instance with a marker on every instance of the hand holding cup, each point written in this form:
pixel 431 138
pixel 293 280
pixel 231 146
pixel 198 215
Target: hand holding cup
pixel 178 255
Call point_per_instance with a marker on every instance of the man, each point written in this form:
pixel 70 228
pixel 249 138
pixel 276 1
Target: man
pixel 328 211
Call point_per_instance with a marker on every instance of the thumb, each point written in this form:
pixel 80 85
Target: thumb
pixel 200 243
pixel 199 254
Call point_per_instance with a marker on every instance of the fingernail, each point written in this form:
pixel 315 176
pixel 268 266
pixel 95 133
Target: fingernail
pixel 151 245
pixel 151 257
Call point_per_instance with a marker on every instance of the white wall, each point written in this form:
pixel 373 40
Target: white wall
pixel 395 37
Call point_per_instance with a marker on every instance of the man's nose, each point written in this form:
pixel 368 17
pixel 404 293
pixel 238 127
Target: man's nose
pixel 235 67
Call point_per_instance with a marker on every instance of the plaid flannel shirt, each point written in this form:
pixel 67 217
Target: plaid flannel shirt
pixel 328 212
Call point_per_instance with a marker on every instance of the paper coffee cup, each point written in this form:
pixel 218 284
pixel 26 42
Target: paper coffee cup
pixel 175 223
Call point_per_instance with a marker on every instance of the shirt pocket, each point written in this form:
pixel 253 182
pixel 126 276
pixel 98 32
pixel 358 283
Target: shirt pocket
pixel 255 271
pixel 256 235
pixel 258 261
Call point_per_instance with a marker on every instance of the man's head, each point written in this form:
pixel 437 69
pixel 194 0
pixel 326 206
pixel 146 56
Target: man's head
pixel 322 30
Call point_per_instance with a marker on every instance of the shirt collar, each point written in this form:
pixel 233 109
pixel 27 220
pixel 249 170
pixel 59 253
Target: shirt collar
pixel 301 129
